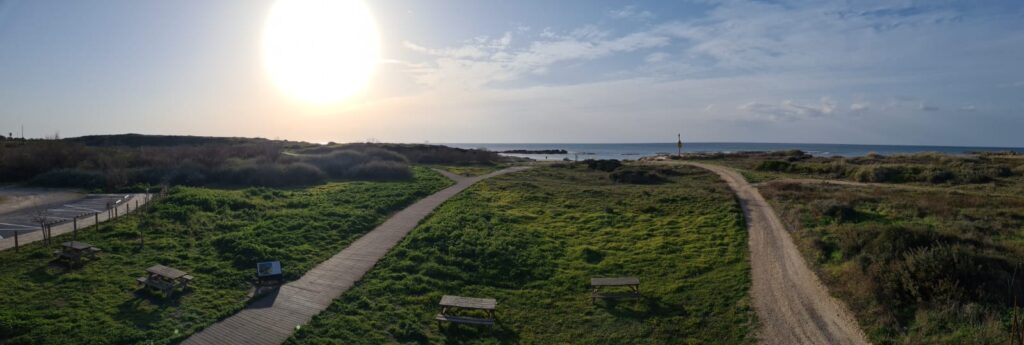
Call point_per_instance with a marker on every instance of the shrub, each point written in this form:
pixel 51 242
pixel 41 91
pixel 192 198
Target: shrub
pixel 1019 170
pixel 879 173
pixel 302 174
pixel 381 170
pixel 636 176
pixel 777 166
pixel 607 165
pixel 71 178
pixel 832 208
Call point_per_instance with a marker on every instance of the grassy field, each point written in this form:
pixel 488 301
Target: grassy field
pixel 216 235
pixel 916 265
pixel 532 240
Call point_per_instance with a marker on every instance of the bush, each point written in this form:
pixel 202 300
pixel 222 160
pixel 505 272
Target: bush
pixel 71 178
pixel 636 176
pixel 831 208
pixel 381 170
pixel 606 165
pixel 776 166
pixel 302 174
pixel 1019 170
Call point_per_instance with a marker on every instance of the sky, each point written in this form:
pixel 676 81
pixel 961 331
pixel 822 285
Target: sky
pixel 465 71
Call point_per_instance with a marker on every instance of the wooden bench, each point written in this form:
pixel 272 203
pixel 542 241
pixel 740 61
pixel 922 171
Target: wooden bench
pixel 73 252
pixel 596 284
pixel 465 320
pixel 165 279
pixel 448 303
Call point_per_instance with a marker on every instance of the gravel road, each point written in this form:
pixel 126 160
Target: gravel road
pixel 792 305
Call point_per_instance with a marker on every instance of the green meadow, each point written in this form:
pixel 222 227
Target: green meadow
pixel 216 235
pixel 533 240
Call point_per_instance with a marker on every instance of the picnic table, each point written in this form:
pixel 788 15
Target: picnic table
pixel 451 303
pixel 73 251
pixel 165 279
pixel 633 283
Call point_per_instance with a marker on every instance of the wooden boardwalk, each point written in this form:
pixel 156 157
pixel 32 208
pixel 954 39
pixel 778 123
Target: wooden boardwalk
pixel 271 319
pixel 67 228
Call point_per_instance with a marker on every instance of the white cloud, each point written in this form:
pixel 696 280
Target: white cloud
pixel 483 60
pixel 657 57
pixel 630 12
pixel 788 110
pixel 927 107
pixel 968 108
pixel 859 107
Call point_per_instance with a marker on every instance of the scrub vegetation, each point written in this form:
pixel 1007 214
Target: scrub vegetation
pixel 921 168
pixel 134 162
pixel 533 240
pixel 918 264
pixel 216 235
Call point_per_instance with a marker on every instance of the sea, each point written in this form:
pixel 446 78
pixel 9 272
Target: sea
pixel 636 151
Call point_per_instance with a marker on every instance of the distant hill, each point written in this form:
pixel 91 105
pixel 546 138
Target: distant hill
pixel 139 140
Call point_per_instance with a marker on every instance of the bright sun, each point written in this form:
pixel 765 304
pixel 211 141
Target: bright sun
pixel 320 51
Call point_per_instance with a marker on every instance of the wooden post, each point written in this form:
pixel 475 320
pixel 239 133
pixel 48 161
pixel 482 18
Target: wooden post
pixel 115 212
pixel 136 204
pixel 74 229
pixel 16 240
pixel 96 218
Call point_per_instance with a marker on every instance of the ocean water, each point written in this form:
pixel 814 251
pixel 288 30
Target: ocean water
pixel 635 151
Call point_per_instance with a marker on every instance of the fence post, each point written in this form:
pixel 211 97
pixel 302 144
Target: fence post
pixel 96 219
pixel 74 229
pixel 16 240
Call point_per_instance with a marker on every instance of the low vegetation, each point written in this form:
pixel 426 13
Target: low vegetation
pixel 216 235
pixel 917 265
pixel 533 239
pixel 922 168
pixel 136 162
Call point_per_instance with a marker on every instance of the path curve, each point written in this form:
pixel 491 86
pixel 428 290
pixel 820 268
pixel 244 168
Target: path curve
pixel 271 319
pixel 792 305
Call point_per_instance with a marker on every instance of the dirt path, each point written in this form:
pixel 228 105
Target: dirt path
pixel 271 319
pixel 792 305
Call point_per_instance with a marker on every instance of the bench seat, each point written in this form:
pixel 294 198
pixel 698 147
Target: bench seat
pixel 615 295
pixel 464 320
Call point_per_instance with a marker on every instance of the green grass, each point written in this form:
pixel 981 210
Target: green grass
pixel 216 235
pixel 533 239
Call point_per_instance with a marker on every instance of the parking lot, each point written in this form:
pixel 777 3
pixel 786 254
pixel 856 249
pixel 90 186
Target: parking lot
pixel 25 220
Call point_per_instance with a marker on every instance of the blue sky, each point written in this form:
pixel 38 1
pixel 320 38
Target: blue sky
pixel 880 72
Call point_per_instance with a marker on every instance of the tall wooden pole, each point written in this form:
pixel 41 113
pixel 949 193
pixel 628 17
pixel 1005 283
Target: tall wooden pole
pixel 679 145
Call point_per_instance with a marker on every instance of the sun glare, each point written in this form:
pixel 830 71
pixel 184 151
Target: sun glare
pixel 320 51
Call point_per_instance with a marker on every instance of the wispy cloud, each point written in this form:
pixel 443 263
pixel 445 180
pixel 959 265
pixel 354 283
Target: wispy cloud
pixel 789 110
pixel 631 12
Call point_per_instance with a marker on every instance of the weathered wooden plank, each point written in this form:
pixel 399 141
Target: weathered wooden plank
pixel 468 302
pixel 617 281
